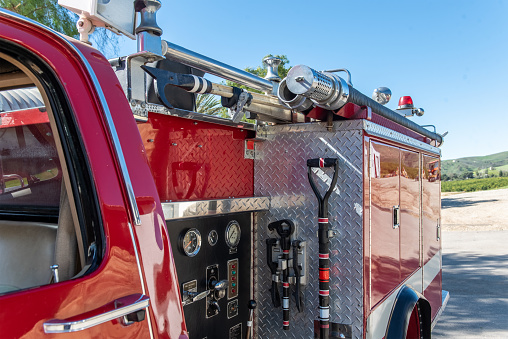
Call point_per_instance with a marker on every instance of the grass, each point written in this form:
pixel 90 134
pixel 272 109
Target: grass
pixel 473 185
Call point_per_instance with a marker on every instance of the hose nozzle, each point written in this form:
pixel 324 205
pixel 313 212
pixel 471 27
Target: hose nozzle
pixel 325 90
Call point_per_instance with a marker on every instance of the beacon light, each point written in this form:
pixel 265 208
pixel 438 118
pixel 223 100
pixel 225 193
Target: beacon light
pixel 405 102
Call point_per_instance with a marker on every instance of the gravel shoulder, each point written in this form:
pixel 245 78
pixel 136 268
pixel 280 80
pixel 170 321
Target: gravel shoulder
pixel 475 211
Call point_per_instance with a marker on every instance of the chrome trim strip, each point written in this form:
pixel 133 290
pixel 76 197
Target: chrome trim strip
pixel 445 298
pixel 268 132
pixel 64 326
pixel 383 132
pixel 138 262
pixel 107 114
pixel 202 208
pixel 160 109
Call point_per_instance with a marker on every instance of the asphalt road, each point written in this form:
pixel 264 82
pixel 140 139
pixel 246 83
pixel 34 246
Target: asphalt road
pixel 475 266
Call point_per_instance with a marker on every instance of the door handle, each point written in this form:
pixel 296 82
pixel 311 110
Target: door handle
pixel 122 308
pixel 396 216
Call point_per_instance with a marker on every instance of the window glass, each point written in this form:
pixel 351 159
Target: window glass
pixel 30 172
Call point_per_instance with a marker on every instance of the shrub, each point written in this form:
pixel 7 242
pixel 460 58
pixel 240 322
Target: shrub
pixel 473 185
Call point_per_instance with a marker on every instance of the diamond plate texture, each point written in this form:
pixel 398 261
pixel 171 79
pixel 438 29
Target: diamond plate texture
pixel 281 174
pixel 195 160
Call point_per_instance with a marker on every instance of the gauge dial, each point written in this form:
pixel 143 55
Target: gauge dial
pixel 213 237
pixel 233 234
pixel 191 242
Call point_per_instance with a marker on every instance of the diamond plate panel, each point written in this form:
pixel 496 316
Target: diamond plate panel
pixel 281 173
pixel 194 160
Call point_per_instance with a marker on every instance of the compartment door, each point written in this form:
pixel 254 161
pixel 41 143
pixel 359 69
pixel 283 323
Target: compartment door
pixel 385 258
pixel 410 214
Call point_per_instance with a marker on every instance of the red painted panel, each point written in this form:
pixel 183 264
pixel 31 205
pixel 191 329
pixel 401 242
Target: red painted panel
pixel 193 160
pixel 433 294
pixel 384 176
pixel 23 117
pixel 410 213
pixel 431 206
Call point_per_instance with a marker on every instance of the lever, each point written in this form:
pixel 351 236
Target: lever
pixel 270 243
pixel 298 276
pixel 252 306
pixel 284 228
pixel 195 296
pixel 218 287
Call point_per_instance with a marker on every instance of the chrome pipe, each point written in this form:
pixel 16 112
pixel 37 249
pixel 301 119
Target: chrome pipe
pixel 209 65
pixel 329 91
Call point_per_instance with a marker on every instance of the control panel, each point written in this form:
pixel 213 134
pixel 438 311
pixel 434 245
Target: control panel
pixel 213 257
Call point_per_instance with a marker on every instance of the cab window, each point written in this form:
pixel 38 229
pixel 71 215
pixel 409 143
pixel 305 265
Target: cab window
pixel 44 237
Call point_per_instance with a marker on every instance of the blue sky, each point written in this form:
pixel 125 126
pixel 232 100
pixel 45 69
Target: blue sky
pixel 450 56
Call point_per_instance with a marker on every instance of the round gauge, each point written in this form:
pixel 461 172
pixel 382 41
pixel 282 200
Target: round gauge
pixel 191 242
pixel 233 234
pixel 213 237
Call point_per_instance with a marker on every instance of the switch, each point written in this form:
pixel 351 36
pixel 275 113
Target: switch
pixel 232 278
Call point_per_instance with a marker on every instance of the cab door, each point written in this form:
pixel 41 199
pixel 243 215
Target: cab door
pixel 69 266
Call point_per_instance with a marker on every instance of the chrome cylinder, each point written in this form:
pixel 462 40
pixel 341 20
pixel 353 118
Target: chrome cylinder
pixel 209 65
pixel 326 90
pixel 294 101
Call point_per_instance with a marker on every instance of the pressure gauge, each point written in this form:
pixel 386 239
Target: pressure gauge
pixel 213 237
pixel 191 242
pixel 233 234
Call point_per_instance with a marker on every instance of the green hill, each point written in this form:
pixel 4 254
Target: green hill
pixel 479 166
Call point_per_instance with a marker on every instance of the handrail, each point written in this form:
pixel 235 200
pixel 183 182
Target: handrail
pixel 217 68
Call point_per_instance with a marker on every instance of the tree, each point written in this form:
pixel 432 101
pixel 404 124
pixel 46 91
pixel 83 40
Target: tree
pixel 49 13
pixel 209 104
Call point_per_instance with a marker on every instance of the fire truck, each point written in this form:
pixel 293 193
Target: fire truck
pixel 312 211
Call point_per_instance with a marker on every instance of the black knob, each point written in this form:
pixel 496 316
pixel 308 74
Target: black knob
pixel 252 304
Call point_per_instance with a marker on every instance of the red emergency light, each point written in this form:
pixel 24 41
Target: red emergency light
pixel 405 102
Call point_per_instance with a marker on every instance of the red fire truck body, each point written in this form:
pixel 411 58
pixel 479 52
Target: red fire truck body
pixel 173 224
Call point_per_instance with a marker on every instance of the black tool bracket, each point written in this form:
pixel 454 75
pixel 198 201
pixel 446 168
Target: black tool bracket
pixel 302 262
